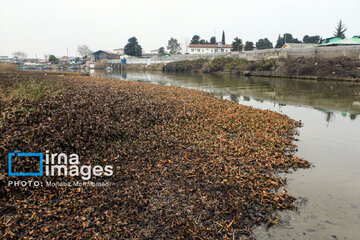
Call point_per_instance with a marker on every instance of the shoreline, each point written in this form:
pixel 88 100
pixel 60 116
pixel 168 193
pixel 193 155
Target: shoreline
pixel 337 69
pixel 300 77
pixel 140 67
pixel 186 162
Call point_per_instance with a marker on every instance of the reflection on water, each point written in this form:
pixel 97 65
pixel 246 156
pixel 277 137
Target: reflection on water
pixel 329 193
pixel 324 96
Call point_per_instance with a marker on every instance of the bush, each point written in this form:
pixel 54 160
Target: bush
pixel 7 67
pixel 185 66
pixel 218 64
pixel 236 65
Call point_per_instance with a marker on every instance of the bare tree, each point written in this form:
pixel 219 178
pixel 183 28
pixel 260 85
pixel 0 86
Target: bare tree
pixel 19 54
pixel 84 50
pixel 174 46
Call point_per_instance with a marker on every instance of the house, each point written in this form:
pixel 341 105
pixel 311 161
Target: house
pixel 298 45
pixel 152 53
pixel 209 48
pixel 338 41
pixel 64 60
pixel 102 54
pixel 119 51
pixel 5 59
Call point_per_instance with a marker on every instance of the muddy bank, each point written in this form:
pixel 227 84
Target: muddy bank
pixel 338 69
pixel 143 67
pixel 187 165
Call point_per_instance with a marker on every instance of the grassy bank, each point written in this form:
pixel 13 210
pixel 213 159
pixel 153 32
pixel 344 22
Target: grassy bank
pixel 307 68
pixel 187 165
pixel 143 67
pixel 6 68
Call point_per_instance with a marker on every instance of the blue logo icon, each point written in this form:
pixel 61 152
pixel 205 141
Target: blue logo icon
pixel 40 155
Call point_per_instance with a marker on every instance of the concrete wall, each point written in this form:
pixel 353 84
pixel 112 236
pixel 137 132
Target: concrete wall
pixel 352 52
pixel 208 50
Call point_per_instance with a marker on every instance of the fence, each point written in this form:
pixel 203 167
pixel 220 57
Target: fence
pixel 352 52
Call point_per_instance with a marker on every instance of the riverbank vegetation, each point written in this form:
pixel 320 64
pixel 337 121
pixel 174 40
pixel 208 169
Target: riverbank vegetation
pixel 7 68
pixel 331 68
pixel 187 165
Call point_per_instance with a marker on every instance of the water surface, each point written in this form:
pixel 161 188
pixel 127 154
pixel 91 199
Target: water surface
pixel 329 193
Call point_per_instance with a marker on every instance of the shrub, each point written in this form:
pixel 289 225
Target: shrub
pixel 7 67
pixel 218 64
pixel 236 64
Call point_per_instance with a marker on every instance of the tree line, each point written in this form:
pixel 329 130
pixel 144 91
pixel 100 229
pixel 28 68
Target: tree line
pixel 132 48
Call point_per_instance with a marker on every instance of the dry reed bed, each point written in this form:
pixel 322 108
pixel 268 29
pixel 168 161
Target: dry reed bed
pixel 188 165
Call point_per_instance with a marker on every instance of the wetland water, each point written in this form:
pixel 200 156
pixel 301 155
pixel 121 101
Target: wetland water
pixel 328 193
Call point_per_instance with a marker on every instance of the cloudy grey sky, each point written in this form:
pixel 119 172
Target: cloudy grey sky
pixel 40 27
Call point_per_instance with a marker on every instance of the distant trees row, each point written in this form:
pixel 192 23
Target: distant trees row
pixel 196 40
pixel 173 47
pixel 266 43
pixel 133 48
pixel 19 54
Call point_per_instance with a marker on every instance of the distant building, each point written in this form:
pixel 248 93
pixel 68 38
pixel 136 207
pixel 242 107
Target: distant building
pixel 152 53
pixel 5 59
pixel 119 51
pixel 298 45
pixel 209 48
pixel 30 61
pixel 338 41
pixel 102 54
pixel 64 59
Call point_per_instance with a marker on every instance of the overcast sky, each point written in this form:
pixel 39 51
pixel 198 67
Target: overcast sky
pixel 40 27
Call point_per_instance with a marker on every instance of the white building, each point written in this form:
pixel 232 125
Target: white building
pixel 209 48
pixel 119 51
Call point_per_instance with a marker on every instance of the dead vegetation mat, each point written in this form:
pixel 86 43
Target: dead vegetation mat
pixel 187 165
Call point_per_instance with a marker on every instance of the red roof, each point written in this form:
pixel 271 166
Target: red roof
pixel 209 46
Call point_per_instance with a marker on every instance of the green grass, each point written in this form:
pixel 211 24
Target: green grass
pixel 34 90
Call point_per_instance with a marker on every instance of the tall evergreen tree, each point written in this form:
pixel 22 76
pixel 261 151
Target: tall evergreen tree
pixel 223 38
pixel 161 51
pixel 287 38
pixel 340 30
pixel 132 48
pixel 195 39
pixel 203 41
pixel 53 59
pixel 213 40
pixel 249 46
pixel 279 42
pixel 264 44
pixel 237 44
pixel 311 39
